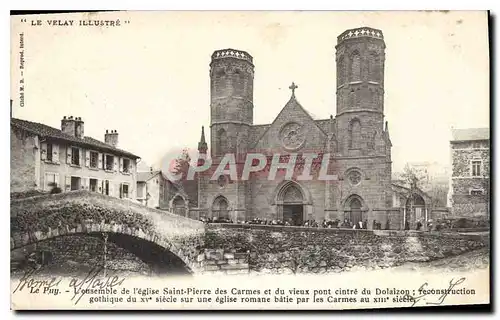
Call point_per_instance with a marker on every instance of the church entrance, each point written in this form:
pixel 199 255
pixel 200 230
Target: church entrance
pixel 353 210
pixel 220 208
pixel 292 204
pixel 356 215
pixel 293 213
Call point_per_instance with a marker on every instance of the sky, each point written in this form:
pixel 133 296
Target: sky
pixel 149 78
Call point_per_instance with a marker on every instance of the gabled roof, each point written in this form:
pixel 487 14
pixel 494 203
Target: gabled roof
pixel 143 176
pixel 293 101
pixel 53 133
pixel 470 134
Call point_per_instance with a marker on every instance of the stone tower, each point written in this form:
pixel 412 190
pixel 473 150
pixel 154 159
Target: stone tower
pixel 361 137
pixel 231 101
pixel 231 105
pixel 360 91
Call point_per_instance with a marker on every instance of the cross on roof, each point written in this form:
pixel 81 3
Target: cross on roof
pixel 293 87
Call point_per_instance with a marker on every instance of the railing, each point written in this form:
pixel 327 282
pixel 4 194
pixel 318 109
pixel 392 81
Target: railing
pixel 231 53
pixel 360 32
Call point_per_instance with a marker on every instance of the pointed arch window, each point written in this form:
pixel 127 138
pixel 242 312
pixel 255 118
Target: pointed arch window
pixel 374 67
pixel 355 67
pixel 341 70
pixel 354 134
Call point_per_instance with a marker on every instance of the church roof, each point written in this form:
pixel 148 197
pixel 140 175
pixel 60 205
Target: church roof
pixel 470 134
pixel 292 101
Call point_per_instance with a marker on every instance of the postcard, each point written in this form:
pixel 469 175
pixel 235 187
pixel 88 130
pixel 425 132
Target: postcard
pixel 249 160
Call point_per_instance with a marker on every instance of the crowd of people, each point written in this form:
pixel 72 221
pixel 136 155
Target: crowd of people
pixel 346 224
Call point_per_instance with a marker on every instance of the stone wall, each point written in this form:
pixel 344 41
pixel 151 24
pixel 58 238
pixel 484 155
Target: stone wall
pixel 78 253
pixel 276 249
pixel 23 155
pixel 220 261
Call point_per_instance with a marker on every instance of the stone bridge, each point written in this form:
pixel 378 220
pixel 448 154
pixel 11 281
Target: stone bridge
pixel 81 222
pixel 165 241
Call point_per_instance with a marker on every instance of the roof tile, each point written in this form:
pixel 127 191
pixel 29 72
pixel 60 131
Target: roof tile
pixel 50 132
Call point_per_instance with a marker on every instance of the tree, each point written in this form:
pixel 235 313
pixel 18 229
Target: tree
pixel 412 177
pixel 181 165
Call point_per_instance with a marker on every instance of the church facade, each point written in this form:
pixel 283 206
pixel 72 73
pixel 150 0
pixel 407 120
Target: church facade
pixel 355 142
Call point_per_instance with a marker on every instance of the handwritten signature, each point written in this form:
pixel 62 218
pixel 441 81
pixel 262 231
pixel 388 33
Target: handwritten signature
pixel 425 291
pixel 91 282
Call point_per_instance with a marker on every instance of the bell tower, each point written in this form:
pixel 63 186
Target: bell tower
pixel 360 61
pixel 231 101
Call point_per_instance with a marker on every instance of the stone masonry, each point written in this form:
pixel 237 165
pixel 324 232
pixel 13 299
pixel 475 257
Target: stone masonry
pixel 356 140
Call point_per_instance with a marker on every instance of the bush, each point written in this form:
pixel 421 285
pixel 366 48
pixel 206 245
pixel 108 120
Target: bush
pixel 55 190
pixel 72 215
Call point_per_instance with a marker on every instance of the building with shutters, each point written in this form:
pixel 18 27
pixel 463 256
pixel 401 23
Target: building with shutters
pixel 43 157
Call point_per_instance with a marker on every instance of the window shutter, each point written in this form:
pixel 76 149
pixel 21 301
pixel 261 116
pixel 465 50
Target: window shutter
pixel 83 182
pixel 121 164
pixel 115 163
pixel 101 166
pixel 87 158
pixel 55 154
pixel 68 155
pixel 58 183
pixel 121 190
pixel 44 150
pixel 68 183
pixel 102 186
pixel 98 186
pixel 81 157
pixel 131 166
pixel 111 189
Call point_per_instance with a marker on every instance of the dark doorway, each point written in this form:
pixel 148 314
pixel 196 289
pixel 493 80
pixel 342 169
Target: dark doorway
pixel 355 211
pixel 75 183
pixel 105 187
pixel 294 214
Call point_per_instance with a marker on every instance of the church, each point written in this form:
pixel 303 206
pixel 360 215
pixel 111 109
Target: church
pixel 356 142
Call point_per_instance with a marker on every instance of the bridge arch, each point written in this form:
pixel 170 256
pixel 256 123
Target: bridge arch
pixel 163 256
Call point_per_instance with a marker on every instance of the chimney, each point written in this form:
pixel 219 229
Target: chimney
pixel 79 128
pixel 68 125
pixel 111 138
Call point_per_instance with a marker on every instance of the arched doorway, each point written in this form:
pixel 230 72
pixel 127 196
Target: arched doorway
pixel 353 209
pixel 179 206
pixel 220 208
pixel 356 215
pixel 293 207
pixel 415 211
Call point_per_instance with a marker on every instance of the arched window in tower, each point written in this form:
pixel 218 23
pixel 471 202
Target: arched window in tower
pixel 341 71
pixel 354 134
pixel 221 141
pixel 355 66
pixel 238 82
pixel 374 67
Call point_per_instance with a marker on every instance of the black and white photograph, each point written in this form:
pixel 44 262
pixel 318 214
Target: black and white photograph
pixel 256 160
